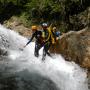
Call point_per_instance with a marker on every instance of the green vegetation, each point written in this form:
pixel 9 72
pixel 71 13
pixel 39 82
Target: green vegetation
pixel 65 14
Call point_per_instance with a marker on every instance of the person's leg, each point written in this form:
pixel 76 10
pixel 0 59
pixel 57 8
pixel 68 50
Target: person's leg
pixel 44 54
pixel 47 47
pixel 37 48
pixel 45 50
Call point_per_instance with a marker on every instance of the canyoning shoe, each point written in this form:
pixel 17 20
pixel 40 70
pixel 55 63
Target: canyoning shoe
pixel 36 54
pixel 43 58
pixel 49 55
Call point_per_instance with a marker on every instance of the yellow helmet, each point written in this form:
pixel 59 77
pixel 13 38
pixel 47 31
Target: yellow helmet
pixel 34 27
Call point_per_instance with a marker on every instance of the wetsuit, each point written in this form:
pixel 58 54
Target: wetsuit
pixel 38 43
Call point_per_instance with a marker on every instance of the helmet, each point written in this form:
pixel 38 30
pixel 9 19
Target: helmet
pixel 34 27
pixel 44 25
pixel 57 34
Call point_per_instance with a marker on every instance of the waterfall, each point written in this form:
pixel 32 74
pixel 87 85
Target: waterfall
pixel 20 70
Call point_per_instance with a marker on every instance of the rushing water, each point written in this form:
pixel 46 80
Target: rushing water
pixel 20 70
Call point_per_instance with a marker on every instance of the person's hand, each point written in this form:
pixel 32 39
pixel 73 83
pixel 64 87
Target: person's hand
pixel 57 38
pixel 22 47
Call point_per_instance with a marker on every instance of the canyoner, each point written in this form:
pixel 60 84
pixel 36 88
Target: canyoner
pixel 49 38
pixel 37 34
pixel 56 35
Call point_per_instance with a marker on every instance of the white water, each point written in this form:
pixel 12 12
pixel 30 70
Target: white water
pixel 66 75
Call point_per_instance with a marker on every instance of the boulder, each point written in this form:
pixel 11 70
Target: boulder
pixel 75 46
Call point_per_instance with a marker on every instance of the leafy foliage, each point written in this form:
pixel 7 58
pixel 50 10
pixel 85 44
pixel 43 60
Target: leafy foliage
pixel 52 11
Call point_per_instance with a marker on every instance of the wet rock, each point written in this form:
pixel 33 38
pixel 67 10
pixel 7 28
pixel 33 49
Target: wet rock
pixel 15 24
pixel 75 46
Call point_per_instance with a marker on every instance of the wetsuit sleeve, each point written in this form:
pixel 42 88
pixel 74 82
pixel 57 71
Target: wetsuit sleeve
pixel 33 35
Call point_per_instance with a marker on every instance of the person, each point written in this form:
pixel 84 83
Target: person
pixel 56 34
pixel 37 34
pixel 47 40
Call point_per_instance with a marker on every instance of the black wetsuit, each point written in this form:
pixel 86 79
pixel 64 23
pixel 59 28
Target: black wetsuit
pixel 38 43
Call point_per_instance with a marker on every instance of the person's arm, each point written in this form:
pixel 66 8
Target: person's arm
pixel 30 39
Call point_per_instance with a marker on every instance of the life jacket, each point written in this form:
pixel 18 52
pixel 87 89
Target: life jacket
pixel 49 37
